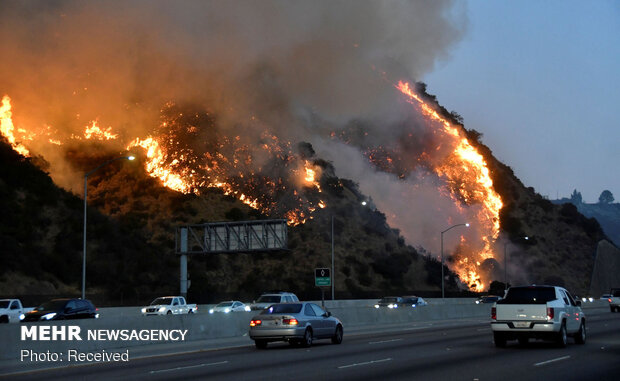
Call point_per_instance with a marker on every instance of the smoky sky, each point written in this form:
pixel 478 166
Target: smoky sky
pixel 298 68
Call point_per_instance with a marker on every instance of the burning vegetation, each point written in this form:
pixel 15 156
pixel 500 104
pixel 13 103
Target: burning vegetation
pixel 188 153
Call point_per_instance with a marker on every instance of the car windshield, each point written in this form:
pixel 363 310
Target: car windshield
pixel 52 305
pixel 4 304
pixel 389 300
pixel 269 299
pixel 165 301
pixel 225 304
pixel 529 295
pixel 282 309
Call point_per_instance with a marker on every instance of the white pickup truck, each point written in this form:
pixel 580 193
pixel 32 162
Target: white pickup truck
pixel 11 310
pixel 169 305
pixel 614 300
pixel 538 312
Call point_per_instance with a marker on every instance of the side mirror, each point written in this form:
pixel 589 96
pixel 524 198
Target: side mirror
pixel 327 314
pixel 578 303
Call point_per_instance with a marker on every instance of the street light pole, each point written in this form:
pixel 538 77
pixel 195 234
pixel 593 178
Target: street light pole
pixel 442 276
pixel 85 205
pixel 506 263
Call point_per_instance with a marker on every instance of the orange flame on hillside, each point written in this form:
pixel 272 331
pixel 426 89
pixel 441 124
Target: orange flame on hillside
pixel 465 165
pixel 6 126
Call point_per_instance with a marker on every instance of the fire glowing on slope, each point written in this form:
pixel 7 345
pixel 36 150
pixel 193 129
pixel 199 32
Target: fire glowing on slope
pixel 7 129
pixel 467 176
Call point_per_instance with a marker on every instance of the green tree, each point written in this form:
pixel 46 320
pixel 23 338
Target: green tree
pixel 606 197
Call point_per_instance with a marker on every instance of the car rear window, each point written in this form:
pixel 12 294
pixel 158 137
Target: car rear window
pixel 529 295
pixel 282 309
pixel 269 299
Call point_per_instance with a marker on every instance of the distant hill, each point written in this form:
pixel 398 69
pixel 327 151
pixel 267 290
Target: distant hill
pixel 607 215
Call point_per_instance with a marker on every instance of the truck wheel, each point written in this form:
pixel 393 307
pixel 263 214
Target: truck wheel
pixel 4 319
pixel 499 339
pixel 580 336
pixel 169 313
pixel 190 312
pixel 562 338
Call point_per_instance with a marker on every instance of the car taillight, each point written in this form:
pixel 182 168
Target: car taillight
pixel 493 313
pixel 291 321
pixel 254 323
pixel 609 300
pixel 550 313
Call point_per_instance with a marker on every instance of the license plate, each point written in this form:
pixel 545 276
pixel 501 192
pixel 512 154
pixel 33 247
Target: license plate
pixel 522 324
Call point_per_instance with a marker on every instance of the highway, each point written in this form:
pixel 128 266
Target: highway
pixel 458 350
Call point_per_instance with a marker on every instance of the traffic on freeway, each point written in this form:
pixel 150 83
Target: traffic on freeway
pixel 459 349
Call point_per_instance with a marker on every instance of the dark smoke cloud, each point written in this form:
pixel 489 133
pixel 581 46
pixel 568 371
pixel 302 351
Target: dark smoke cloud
pixel 300 68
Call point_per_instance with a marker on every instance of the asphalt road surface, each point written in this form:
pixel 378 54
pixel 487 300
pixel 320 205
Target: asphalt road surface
pixel 462 351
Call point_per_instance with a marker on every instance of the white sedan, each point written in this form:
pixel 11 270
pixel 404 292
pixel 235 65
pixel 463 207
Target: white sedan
pixel 230 306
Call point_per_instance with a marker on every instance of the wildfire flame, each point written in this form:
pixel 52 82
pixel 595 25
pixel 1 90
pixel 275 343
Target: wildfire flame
pixel 227 163
pixel 7 128
pixel 465 165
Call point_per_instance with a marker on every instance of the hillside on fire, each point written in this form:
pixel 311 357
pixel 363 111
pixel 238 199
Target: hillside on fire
pixel 131 237
pixel 134 208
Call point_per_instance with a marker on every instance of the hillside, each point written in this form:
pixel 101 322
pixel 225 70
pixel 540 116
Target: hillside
pixel 131 224
pixel 607 215
pixel 562 242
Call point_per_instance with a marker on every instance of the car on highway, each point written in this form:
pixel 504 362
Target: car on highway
pixel 169 305
pixel 230 306
pixel 269 298
pixel 296 323
pixel 413 301
pixel 614 300
pixel 488 299
pixel 389 302
pixel 60 309
pixel 538 312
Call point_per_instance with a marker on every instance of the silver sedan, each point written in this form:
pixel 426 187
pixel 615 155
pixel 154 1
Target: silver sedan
pixel 296 323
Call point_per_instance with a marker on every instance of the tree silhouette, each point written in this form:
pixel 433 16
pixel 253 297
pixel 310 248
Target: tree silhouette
pixel 606 197
pixel 576 198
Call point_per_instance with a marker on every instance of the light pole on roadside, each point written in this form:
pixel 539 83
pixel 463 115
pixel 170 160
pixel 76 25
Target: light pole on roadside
pixel 442 276
pixel 85 205
pixel 506 263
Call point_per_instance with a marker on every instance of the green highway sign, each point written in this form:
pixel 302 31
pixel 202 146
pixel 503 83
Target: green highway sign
pixel 322 277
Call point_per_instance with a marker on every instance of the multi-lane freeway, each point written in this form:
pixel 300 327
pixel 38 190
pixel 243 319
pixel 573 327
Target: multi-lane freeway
pixel 457 350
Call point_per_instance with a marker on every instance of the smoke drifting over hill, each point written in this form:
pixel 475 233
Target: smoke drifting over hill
pixel 322 72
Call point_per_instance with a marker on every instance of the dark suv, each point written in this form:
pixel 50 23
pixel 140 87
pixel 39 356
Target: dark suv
pixel 59 309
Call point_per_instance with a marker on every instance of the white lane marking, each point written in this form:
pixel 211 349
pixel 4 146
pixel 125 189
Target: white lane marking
pixel 187 367
pixel 414 328
pixel 384 341
pixel 483 329
pixel 364 363
pixel 553 360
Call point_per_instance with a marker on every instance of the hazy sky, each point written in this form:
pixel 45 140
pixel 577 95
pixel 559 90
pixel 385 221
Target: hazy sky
pixel 541 81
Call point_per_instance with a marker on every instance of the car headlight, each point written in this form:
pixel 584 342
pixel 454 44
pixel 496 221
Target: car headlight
pixel 144 310
pixel 162 309
pixel 591 300
pixel 22 316
pixel 211 311
pixel 583 300
pixel 477 302
pixel 247 308
pixel 376 306
pixel 226 310
pixel 413 305
pixel 96 316
pixel 391 305
pixel 49 316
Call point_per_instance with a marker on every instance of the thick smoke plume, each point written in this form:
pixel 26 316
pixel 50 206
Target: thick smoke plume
pixel 301 69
